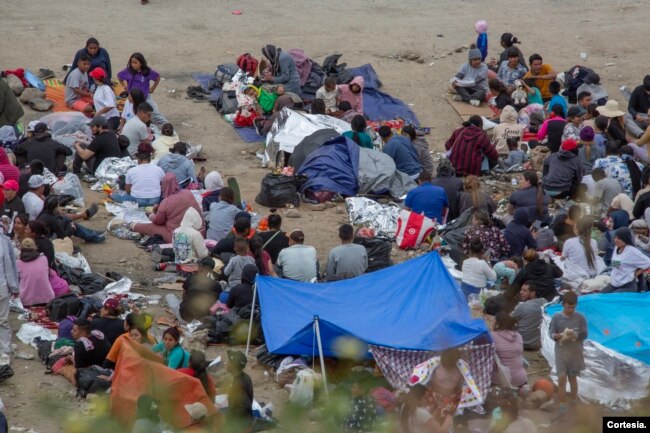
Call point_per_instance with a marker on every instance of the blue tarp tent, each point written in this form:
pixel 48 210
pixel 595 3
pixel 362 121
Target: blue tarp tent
pixel 414 305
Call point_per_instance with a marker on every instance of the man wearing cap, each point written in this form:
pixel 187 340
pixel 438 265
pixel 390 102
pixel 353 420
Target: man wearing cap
pixel 636 119
pixel 34 199
pixel 574 123
pixel 470 82
pixel 240 396
pixel 562 171
pixel 299 262
pixel 591 84
pixel 104 145
pixel 13 205
pixel 42 147
pixel 104 99
pixel 543 74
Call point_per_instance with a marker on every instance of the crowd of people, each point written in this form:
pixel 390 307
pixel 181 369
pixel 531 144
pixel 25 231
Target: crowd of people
pixel 571 149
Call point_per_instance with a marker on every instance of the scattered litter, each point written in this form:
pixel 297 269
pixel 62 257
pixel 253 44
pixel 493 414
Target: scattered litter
pixel 432 63
pixel 610 64
pixel 236 12
pixel 584 55
pixel 24 355
pixel 29 331
pixel 119 287
pixel 172 286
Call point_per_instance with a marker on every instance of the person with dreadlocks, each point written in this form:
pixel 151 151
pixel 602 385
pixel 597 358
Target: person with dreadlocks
pixel 281 69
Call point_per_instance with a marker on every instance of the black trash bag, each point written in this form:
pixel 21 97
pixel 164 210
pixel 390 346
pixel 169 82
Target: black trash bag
pixel 454 233
pixel 332 68
pixel 44 348
pixel 279 190
pixel 574 78
pixel 223 325
pixel 88 381
pixel 63 306
pixel 378 250
pixel 265 358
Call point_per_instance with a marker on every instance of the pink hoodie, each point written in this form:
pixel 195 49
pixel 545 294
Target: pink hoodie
pixel 510 347
pixel 35 287
pixel 356 100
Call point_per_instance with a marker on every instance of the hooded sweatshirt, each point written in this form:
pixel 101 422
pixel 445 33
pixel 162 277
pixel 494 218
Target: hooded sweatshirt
pixel 562 170
pixel 41 146
pixel 509 346
pixel 468 145
pixel 180 165
pixel 517 233
pixel 34 277
pixel 242 294
pixel 507 128
pixel 8 170
pixel 478 75
pixel 356 100
pixel 187 241
pixel 543 274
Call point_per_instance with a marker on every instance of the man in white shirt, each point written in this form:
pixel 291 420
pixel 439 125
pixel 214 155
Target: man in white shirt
pixel 298 262
pixel 142 182
pixel 136 129
pixel 33 199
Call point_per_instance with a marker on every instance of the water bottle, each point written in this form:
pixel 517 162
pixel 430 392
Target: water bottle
pixel 514 182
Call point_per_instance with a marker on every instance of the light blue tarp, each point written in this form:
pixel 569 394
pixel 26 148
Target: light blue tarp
pixel 618 321
pixel 414 305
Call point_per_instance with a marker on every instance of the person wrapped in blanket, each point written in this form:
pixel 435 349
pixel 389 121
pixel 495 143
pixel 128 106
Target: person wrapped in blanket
pixel 248 107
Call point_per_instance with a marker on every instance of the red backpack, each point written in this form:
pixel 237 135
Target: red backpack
pixel 247 63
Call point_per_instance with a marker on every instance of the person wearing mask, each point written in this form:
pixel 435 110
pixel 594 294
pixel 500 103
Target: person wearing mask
pixel 628 263
pixel 563 171
pixel 474 197
pixel 422 148
pixel 176 162
pixel 528 314
pixel 299 262
pixel 453 186
pixel 44 148
pixel 402 151
pixel 428 199
pixel 468 146
pixel 274 240
pixel 518 234
pixel 470 82
pixel 347 260
pixel 104 145
pixel 539 272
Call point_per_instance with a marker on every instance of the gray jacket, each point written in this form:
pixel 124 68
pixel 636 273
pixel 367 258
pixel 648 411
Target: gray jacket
pixel 180 165
pixel 288 74
pixel 8 269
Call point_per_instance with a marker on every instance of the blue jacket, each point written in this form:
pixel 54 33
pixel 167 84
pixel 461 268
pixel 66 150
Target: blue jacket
pixel 101 60
pixel 517 233
pixel 180 165
pixel 404 154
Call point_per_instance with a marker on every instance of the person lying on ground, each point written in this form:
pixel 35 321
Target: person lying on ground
pixel 473 197
pixel 470 82
pixel 358 133
pixel 198 368
pixel 402 151
pixel 173 354
pixel 347 260
pixel 142 182
pixel 64 225
pixel 528 314
pixel 78 93
pixel 543 274
pixel 511 70
pixel 109 321
pixel 298 262
pixel 476 270
pixel 187 241
pixel 138 74
pixel 282 69
pixel 104 145
pixel 44 148
pixel 104 99
pixel 353 93
pixel 468 146
pixel 167 216
pixel 176 162
pixel 34 276
pixel 98 55
pixel 542 73
pixel 563 171
pixel 233 269
pixel 164 142
pixel 221 214
pixel 134 99
pixel 421 147
pixel 428 199
pixel 330 94
pixel 136 129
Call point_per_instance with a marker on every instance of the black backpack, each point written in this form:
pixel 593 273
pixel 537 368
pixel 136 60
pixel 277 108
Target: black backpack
pixel 279 190
pixel 378 250
pixel 574 78
pixel 63 306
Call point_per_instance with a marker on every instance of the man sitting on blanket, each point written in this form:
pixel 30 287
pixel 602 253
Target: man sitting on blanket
pixel 77 87
pixel 90 348
pixel 470 82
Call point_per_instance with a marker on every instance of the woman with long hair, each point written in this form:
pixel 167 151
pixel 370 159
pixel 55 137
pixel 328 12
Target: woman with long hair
pixel 198 367
pixel 531 196
pixel 581 251
pixel 495 244
pixel 474 197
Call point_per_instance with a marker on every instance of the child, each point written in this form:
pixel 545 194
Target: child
pixel 569 330
pixel 515 155
pixel 534 96
pixel 138 75
pixel 236 264
pixel 363 412
pixel 556 99
pixel 104 99
pixel 77 88
pixel 187 241
pixel 330 94
pixel 476 271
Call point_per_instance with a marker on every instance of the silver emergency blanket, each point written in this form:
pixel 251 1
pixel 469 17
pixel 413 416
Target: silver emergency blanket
pixel 110 170
pixel 291 127
pixel 68 127
pixel 368 213
pixel 610 378
pixel 377 173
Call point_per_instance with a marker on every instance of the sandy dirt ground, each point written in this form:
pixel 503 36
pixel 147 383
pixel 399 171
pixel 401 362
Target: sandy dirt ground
pixel 181 37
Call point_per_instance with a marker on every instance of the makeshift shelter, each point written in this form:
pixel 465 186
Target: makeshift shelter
pixel 617 349
pixel 138 372
pixel 341 166
pixel 309 144
pixel 405 313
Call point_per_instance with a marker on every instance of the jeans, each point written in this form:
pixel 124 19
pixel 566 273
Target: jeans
pixel 469 93
pixel 156 117
pixel 121 197
pixel 632 286
pixel 468 289
pixel 633 127
pixel 5 329
pixel 88 235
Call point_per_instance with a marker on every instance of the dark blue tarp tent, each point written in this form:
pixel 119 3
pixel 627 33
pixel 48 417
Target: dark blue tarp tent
pixel 332 167
pixel 414 305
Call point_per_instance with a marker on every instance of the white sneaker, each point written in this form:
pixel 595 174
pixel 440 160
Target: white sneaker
pixel 458 98
pixel 475 102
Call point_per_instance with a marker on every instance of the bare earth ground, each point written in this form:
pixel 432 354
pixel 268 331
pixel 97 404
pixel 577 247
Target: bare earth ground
pixel 182 37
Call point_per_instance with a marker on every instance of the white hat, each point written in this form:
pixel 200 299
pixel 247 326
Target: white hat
pixel 197 411
pixel 36 181
pixel 32 125
pixel 610 109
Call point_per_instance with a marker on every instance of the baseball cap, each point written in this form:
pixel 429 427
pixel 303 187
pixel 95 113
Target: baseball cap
pixel 32 125
pixel 11 184
pixel 237 357
pixel 111 303
pixel 98 121
pixel 36 181
pixel 569 145
pixel 41 127
pixel 297 236
pixel 98 74
pixel 575 111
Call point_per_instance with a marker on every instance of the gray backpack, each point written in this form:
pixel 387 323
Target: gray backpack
pixel 222 75
pixel 227 102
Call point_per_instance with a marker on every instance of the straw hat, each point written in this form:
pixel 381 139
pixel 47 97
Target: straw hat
pixel 610 109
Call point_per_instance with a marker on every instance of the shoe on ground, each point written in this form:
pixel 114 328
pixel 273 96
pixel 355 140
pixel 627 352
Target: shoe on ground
pixel 475 102
pixel 91 211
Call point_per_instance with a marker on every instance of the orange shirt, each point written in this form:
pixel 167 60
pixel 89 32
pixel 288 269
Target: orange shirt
pixel 542 85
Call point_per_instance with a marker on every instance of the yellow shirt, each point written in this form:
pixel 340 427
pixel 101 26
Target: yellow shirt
pixel 542 85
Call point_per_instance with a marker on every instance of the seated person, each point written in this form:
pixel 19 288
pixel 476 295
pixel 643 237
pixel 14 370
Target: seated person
pixel 628 263
pixel 564 224
pixel 34 275
pixel 187 240
pixel 136 129
pixel 62 225
pixel 317 107
pixel 346 112
pixel 77 87
pixel 104 145
pixel 242 294
pixel 221 216
pixel 511 70
pixel 38 231
pixel 470 82
pixel 363 413
pixel 235 266
pixel 198 368
pixel 518 234
pixel 330 94
pixel 574 124
pixel 41 146
pixel 33 200
pixel 402 151
pixel 176 162
pixel 358 133
pixel 241 229
pixel 515 154
pixel 554 89
pixel 605 190
pixel 200 291
pixel 553 127
pixel 421 147
pixel 428 199
pixel 509 346
pixel 501 97
pixel 173 354
pixel 275 240
pixel 563 171
pixel 164 142
pixel 476 270
pixel 109 322
pixel 13 204
pixel 298 262
pixel 636 119
pixel 353 93
pixel 142 182
pixel 528 314
pixel 263 126
pixel 213 182
pixel 543 74
pixel 508 128
pixel 347 260
pixel 104 99
pixel 240 394
pixel 90 348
